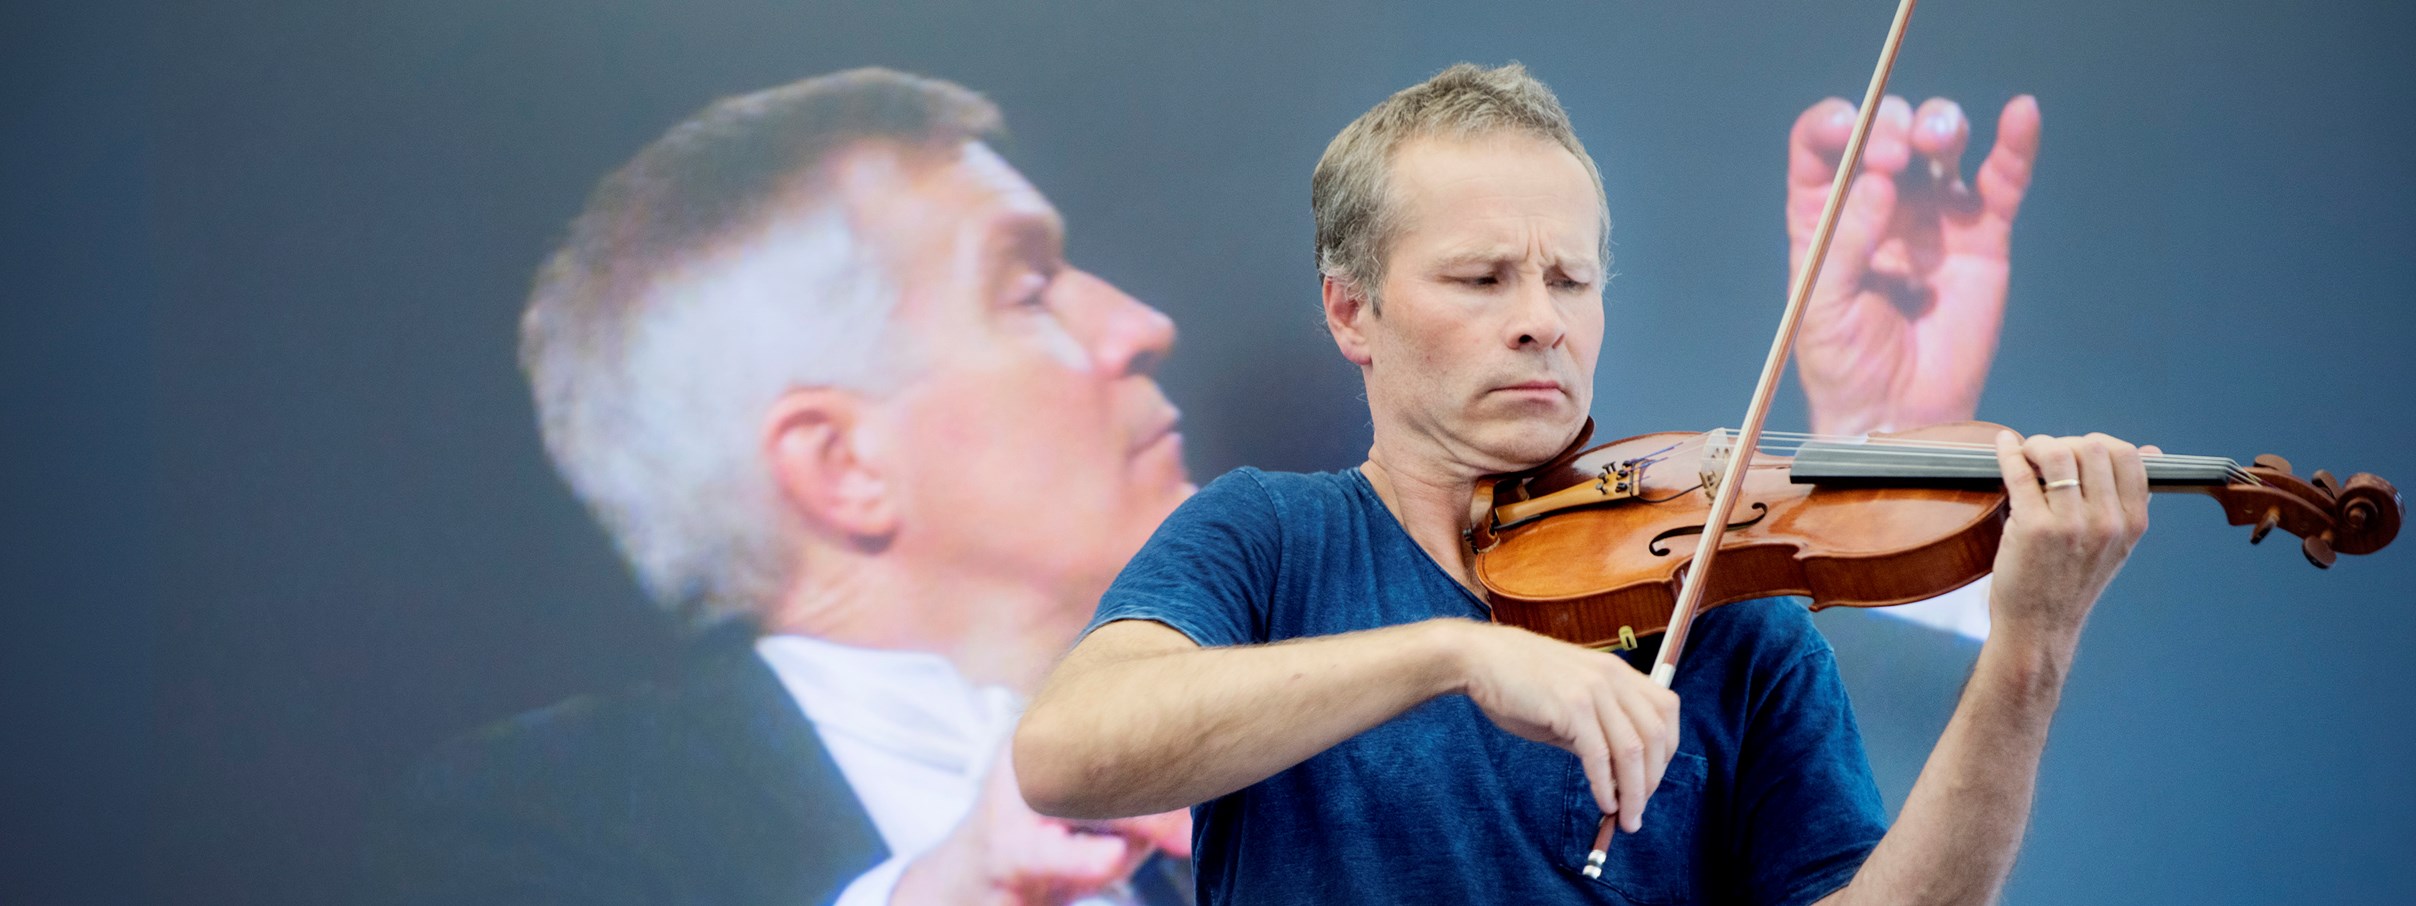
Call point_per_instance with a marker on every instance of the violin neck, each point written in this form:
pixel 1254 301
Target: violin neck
pixel 1917 465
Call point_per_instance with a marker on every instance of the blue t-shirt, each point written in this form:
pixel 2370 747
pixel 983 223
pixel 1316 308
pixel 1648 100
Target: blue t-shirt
pixel 1769 799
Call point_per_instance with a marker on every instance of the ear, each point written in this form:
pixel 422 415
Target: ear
pixel 1346 310
pixel 826 461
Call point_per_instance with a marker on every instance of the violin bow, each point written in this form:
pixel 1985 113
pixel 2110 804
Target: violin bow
pixel 1749 436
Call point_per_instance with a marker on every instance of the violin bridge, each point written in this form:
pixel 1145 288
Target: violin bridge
pixel 1717 447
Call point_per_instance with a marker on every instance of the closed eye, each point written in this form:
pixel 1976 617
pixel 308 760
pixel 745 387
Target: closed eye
pixel 1031 291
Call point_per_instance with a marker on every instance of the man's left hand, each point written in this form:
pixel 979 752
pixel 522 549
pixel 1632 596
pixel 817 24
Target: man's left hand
pixel 1902 325
pixel 2078 504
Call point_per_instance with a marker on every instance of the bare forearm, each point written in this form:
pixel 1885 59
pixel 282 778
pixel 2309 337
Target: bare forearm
pixel 1961 828
pixel 1112 736
pixel 2075 507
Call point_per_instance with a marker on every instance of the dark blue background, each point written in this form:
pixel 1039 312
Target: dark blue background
pixel 275 518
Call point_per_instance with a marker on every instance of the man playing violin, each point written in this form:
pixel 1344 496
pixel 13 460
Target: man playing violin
pixel 1305 659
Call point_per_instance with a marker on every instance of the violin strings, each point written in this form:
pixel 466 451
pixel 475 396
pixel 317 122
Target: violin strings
pixel 1933 458
pixel 1928 460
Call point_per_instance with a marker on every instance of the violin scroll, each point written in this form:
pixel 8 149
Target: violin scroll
pixel 2329 516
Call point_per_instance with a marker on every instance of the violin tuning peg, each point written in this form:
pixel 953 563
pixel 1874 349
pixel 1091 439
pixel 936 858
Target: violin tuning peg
pixel 2323 479
pixel 2318 551
pixel 2273 517
pixel 2271 461
pixel 2358 514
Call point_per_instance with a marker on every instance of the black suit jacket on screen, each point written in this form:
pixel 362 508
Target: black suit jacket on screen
pixel 709 788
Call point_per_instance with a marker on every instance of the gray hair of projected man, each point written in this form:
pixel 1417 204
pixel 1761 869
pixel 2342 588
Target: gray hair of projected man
pixel 650 378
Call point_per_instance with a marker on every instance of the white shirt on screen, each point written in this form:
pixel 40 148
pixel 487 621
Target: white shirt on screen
pixel 913 737
pixel 1963 611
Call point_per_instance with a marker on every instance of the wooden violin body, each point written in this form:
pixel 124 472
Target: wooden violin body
pixel 1593 547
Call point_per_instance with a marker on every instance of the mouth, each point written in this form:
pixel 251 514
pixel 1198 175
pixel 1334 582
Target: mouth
pixel 1531 387
pixel 1160 432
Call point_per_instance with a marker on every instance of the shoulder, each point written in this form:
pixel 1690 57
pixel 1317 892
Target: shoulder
pixel 514 809
pixel 1253 501
pixel 719 704
pixel 1286 494
pixel 646 752
pixel 537 745
pixel 708 785
pixel 1216 568
pixel 1267 488
pixel 570 760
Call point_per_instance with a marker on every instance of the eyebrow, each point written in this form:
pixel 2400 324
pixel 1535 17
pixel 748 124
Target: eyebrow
pixel 1029 234
pixel 1487 256
pixel 1497 256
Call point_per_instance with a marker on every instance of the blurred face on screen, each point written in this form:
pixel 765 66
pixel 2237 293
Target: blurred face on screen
pixel 1492 299
pixel 1032 447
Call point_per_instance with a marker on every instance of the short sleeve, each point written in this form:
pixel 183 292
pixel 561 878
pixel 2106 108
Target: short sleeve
pixel 1209 570
pixel 1811 811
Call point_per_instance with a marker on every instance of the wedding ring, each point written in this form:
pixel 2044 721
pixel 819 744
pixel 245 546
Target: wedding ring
pixel 2063 483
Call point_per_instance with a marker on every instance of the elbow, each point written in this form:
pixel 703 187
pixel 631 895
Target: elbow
pixel 1046 770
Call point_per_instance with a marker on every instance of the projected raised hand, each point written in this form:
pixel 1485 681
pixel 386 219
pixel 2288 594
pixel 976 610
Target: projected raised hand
pixel 1903 322
pixel 1004 854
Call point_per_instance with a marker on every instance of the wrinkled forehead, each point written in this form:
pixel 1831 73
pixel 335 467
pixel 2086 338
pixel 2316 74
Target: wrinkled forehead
pixel 1487 197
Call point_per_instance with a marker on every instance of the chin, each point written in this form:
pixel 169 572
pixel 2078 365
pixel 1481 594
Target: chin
pixel 1166 481
pixel 1527 443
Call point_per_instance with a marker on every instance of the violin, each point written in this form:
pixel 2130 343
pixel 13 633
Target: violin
pixel 1590 547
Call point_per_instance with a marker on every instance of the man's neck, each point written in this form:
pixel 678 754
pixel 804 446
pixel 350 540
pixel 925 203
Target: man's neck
pixel 1429 485
pixel 1430 499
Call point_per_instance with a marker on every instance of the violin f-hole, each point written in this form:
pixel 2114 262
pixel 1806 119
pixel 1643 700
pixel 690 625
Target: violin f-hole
pixel 1760 510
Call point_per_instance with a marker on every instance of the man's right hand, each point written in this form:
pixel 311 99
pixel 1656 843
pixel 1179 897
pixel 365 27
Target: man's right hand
pixel 1140 718
pixel 1621 725
pixel 1005 854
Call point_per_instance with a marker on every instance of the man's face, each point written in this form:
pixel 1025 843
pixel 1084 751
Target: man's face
pixel 1031 448
pixel 1491 303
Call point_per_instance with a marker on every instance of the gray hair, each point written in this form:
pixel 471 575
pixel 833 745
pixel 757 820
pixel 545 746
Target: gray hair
pixel 652 359
pixel 1350 191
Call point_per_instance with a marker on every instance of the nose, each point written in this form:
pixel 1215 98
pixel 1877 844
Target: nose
pixel 1535 318
pixel 1126 336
